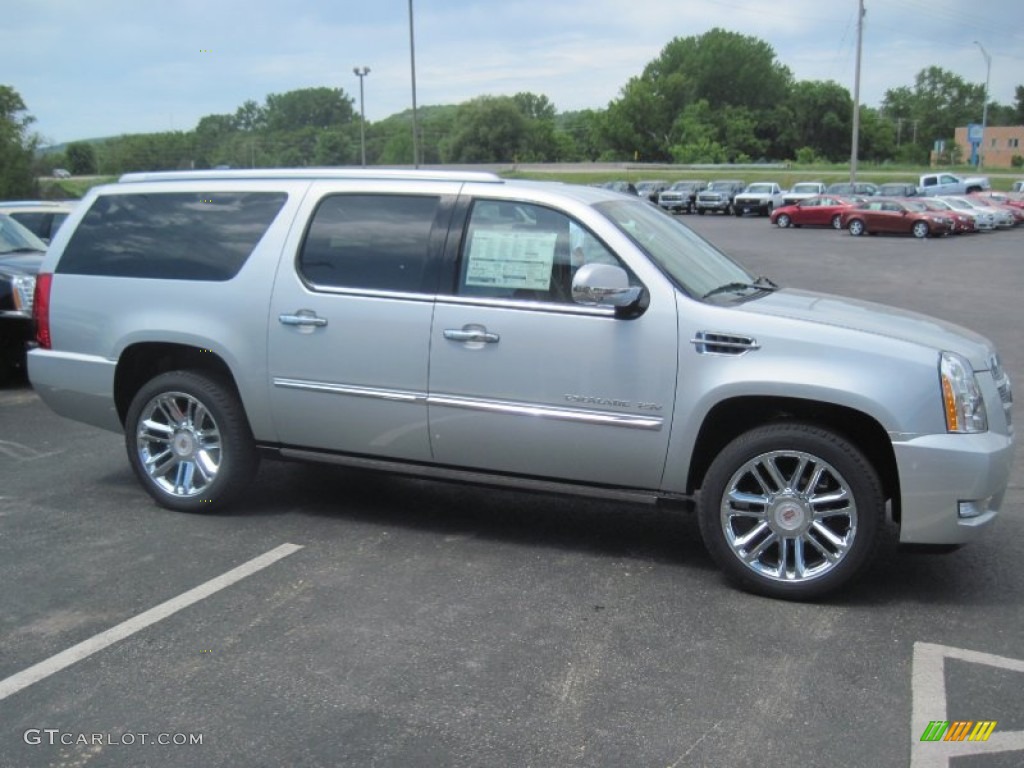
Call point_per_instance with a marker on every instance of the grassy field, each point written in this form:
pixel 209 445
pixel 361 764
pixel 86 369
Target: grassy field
pixel 786 177
pixel 581 173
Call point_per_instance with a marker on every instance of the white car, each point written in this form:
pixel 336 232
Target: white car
pixel 1003 218
pixel 984 221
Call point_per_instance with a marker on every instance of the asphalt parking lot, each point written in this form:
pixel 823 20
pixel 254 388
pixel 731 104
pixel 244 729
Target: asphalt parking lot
pixel 414 623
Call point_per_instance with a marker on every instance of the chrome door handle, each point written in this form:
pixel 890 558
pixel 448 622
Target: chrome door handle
pixel 472 334
pixel 303 317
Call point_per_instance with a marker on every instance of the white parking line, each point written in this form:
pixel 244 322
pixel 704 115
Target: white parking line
pixel 928 690
pixel 86 648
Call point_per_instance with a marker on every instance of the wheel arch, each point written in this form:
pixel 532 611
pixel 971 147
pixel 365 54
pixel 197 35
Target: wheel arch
pixel 730 418
pixel 140 362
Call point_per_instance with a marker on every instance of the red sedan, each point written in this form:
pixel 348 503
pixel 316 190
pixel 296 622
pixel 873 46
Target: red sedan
pixel 821 211
pixel 903 217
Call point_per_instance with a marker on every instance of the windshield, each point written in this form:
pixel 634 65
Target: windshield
pixel 15 237
pixel 805 188
pixel 759 188
pixel 695 265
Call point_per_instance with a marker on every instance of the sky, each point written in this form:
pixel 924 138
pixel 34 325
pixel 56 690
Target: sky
pixel 109 67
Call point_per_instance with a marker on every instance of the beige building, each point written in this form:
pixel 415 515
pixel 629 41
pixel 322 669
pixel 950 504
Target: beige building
pixel 999 147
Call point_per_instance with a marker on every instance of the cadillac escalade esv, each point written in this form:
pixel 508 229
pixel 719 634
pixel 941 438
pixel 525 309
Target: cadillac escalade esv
pixel 542 336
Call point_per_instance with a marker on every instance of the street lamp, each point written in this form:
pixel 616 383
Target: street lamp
pixel 984 110
pixel 362 72
pixel 412 61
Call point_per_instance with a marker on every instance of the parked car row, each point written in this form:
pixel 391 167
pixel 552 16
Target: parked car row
pixel 918 216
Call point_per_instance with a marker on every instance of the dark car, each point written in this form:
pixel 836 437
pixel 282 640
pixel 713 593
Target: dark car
pixel 681 196
pixel 898 189
pixel 719 196
pixel 901 217
pixel 651 189
pixel 21 253
pixel 625 187
pixel 845 188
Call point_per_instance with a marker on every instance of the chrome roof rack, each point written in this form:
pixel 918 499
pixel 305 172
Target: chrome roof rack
pixel 311 174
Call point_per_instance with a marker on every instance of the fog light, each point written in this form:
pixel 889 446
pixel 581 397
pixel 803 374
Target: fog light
pixel 972 508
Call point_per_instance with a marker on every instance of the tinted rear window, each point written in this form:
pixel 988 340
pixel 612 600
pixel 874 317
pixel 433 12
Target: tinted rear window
pixel 173 236
pixel 372 242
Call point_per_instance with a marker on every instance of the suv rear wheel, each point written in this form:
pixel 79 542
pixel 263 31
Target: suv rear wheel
pixel 791 510
pixel 189 442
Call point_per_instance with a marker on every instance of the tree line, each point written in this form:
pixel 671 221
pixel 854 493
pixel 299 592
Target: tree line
pixel 719 97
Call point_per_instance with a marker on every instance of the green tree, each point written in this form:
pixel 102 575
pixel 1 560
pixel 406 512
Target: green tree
pixel 250 117
pixel 724 69
pixel 822 118
pixel 17 146
pixel 490 129
pixel 939 102
pixel 308 108
pixel 81 158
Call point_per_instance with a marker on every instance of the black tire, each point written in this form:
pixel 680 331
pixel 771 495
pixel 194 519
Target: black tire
pixel 191 428
pixel 795 548
pixel 856 227
pixel 738 212
pixel 782 221
pixel 700 211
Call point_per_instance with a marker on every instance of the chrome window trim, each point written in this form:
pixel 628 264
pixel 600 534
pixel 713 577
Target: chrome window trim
pixel 366 293
pixel 536 306
pixel 508 407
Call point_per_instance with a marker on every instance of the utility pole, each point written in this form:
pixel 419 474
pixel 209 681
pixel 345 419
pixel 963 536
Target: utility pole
pixel 361 73
pixel 412 59
pixel 855 140
pixel 984 110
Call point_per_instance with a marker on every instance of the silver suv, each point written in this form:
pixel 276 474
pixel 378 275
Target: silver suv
pixel 544 336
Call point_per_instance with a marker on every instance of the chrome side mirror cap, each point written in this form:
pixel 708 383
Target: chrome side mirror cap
pixel 604 285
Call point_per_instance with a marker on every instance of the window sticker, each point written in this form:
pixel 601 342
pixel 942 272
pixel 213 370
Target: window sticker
pixel 511 259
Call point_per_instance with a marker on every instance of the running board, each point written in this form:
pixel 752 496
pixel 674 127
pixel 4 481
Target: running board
pixel 448 474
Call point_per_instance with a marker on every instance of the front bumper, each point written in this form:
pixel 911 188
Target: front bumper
pixel 939 473
pixel 713 205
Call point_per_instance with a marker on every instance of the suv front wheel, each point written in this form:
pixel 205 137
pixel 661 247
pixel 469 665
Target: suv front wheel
pixel 791 510
pixel 189 442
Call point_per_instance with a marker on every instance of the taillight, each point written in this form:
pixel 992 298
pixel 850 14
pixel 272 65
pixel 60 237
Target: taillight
pixel 41 309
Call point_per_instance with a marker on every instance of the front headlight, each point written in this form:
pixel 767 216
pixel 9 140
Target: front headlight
pixel 961 396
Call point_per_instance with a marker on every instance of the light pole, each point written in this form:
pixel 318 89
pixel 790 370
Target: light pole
pixel 412 59
pixel 984 110
pixel 362 72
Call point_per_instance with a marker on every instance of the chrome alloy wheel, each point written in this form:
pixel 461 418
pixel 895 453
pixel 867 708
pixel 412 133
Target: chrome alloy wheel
pixel 179 444
pixel 789 516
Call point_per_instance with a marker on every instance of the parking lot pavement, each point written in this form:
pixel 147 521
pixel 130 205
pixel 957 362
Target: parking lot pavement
pixel 430 624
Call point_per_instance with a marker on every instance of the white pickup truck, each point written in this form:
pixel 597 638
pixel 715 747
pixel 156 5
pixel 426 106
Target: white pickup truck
pixel 934 184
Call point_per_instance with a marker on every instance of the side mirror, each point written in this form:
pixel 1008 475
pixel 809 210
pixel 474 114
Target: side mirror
pixel 604 285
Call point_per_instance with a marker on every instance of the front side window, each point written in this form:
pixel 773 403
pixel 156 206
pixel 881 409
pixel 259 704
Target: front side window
pixel 693 263
pixel 370 242
pixel 521 251
pixel 174 235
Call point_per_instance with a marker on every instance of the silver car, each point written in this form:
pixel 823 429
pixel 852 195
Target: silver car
pixel 543 336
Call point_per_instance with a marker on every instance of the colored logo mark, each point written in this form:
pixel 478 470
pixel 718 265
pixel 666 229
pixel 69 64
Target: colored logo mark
pixel 958 730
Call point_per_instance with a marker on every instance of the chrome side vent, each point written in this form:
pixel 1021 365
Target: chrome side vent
pixel 715 343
